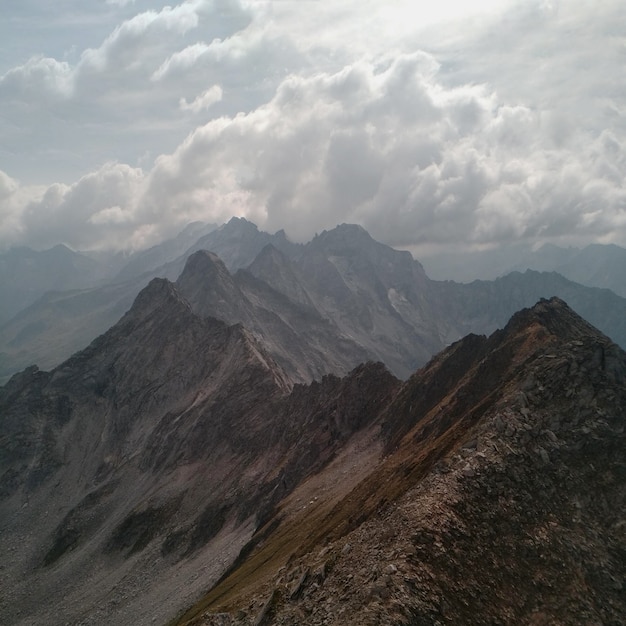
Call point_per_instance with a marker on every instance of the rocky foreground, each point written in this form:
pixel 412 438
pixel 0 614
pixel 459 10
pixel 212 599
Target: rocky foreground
pixel 174 464
pixel 521 521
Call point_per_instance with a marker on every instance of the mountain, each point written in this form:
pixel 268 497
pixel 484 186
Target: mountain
pixel 596 265
pixel 238 242
pixel 60 323
pixel 496 497
pixel 146 261
pixel 599 266
pixel 301 340
pixel 175 455
pixel 321 307
pixel 25 274
pixel 483 306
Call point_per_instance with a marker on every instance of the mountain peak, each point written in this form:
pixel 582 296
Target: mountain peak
pixel 158 293
pixel 344 234
pixel 240 225
pixel 557 318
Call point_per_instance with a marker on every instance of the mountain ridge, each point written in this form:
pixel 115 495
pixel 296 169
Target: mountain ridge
pixel 378 303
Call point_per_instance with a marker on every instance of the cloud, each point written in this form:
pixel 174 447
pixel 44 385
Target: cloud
pixel 508 129
pixel 204 101
pixel 39 77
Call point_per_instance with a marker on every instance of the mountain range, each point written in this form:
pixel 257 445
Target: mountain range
pixel 596 265
pixel 176 455
pixel 334 302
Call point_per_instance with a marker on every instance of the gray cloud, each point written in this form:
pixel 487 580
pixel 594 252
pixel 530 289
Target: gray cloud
pixel 513 130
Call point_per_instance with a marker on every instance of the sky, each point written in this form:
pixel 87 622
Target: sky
pixel 447 125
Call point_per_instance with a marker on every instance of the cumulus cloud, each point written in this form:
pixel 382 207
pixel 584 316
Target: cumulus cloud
pixel 39 77
pixel 515 132
pixel 204 101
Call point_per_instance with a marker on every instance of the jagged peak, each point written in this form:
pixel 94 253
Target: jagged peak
pixel 158 293
pixel 556 317
pixel 239 224
pixel 344 232
pixel 270 251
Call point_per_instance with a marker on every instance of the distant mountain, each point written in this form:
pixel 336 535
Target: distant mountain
pixel 597 265
pixel 306 344
pixel 321 307
pixel 25 274
pixel 62 322
pixel 238 243
pixel 146 261
pixel 175 455
pixel 483 306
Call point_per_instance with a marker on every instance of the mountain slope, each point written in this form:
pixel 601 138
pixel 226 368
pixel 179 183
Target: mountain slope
pixel 118 457
pixel 305 344
pixel 498 497
pixel 26 274
pixel 151 457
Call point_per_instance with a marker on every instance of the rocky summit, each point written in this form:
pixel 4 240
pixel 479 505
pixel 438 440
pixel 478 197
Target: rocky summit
pixel 177 470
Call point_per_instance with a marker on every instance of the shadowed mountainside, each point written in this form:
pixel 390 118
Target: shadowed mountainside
pixel 496 498
pixel 173 455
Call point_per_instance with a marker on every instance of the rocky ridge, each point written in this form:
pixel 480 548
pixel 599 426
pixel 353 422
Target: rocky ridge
pixel 502 508
pixel 363 300
pixel 176 454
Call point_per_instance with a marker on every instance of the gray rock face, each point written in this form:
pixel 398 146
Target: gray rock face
pixel 322 307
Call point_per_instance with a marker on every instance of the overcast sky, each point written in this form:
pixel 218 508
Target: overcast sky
pixel 429 123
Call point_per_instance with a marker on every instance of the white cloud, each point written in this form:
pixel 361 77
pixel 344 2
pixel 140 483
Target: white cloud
pixel 180 61
pixel 509 127
pixel 38 77
pixel 204 101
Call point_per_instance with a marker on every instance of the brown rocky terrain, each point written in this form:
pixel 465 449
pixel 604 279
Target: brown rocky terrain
pixel 498 499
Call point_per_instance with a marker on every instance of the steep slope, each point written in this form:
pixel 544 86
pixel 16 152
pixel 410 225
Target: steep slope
pixel 377 296
pixel 127 458
pixel 498 497
pixel 305 344
pixel 133 474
